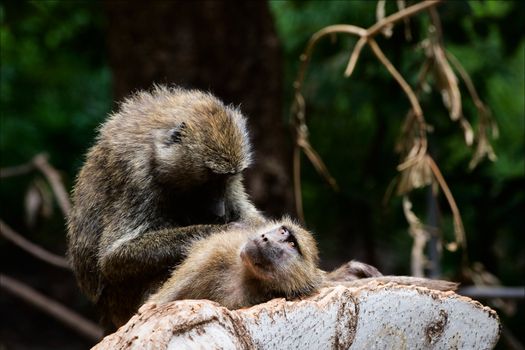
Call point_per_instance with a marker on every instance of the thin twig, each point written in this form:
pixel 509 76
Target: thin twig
pixel 436 22
pixel 458 223
pixel 68 317
pixel 365 34
pixel 333 29
pixel 409 119
pixel 297 183
pixel 55 181
pixel 483 110
pixel 418 112
pixel 486 121
pixel 468 82
pixel 354 56
pixel 52 175
pixel 17 170
pixel 317 163
pixel 401 81
pixel 379 26
pixel 396 17
pixel 38 252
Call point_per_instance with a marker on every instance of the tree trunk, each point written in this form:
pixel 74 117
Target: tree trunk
pixel 376 316
pixel 227 47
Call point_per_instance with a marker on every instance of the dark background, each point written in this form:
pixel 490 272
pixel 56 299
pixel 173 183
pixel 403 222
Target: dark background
pixel 65 64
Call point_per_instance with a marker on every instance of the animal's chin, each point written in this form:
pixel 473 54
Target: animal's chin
pixel 254 260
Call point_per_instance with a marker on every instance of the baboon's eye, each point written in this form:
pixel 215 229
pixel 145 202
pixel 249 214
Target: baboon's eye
pixel 175 134
pixel 290 239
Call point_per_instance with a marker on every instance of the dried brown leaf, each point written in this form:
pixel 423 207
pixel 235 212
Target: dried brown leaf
pixel 468 132
pixel 487 125
pixel 447 82
pixel 483 149
pixel 417 175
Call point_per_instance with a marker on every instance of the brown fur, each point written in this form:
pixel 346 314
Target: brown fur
pixel 401 280
pixel 221 268
pixel 165 168
pixel 238 268
pixel 352 271
pixel 358 274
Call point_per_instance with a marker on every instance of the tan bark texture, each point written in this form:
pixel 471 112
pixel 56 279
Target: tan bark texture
pixel 376 316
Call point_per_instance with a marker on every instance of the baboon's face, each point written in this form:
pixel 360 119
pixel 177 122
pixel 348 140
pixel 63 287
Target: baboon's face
pixel 202 159
pixel 272 252
pixel 283 257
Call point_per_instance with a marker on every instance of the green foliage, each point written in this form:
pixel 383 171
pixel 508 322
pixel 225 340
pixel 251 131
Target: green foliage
pixel 503 94
pixel 54 81
pixel 54 90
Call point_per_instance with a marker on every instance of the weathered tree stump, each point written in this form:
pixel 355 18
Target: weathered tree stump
pixel 378 316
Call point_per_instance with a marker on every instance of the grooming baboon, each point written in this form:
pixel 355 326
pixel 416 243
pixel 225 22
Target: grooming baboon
pixel 166 167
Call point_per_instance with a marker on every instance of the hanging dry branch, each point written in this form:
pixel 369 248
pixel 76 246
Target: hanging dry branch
pixel 417 168
pixel 298 106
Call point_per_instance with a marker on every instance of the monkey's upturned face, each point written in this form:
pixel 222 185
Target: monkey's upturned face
pixel 272 253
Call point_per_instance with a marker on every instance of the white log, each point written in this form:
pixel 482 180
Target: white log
pixel 377 316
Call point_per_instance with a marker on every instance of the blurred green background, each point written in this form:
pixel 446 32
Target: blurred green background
pixel 56 88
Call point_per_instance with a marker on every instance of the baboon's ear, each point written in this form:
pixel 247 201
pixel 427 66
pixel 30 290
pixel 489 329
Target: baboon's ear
pixel 175 134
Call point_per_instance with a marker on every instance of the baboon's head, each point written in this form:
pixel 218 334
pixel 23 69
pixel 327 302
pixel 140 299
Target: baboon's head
pixel 186 140
pixel 284 257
